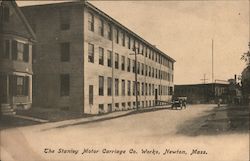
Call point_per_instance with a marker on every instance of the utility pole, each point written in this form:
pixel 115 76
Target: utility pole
pixel 136 86
pixel 212 61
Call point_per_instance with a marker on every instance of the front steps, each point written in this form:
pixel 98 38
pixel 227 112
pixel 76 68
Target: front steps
pixel 6 109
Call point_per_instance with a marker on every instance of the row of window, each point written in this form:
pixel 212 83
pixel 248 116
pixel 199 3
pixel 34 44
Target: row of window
pixel 121 37
pixel 126 63
pixel 142 88
pixel 15 50
pixel 125 105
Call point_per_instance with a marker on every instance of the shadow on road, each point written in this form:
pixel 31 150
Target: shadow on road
pixel 223 120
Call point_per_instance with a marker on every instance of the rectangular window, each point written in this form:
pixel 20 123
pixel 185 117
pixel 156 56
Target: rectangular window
pixel 153 72
pixel 129 105
pixel 123 106
pixel 138 68
pixel 146 89
pixel 101 56
pixel 109 86
pixel 116 106
pixel 116 87
pixel 149 71
pixel 101 85
pixel 142 69
pixel 123 39
pixel 142 89
pixel 133 88
pixel 123 62
pixel 133 66
pixel 91 53
pixel 64 84
pixel 128 45
pixel 129 88
pixel 116 60
pixel 91 94
pixel 101 108
pixel 101 27
pixel 22 85
pixel 110 58
pixel 117 36
pixel 65 51
pixel 91 22
pixel 138 88
pixel 128 65
pixel 20 51
pixel 109 107
pixel 146 70
pixel 123 87
pixel 109 30
pixel 149 89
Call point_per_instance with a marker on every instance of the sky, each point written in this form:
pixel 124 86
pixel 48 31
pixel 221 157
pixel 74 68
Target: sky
pixel 184 30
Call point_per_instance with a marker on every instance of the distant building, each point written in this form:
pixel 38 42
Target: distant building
pixel 202 93
pixel 16 40
pixel 84 61
pixel 245 81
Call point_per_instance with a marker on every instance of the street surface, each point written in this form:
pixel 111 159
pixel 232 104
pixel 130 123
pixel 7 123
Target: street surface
pixel 157 135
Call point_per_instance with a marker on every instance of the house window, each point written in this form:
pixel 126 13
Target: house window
pixel 116 87
pixel 146 70
pixel 153 72
pixel 65 51
pixel 101 85
pixel 91 53
pixel 109 58
pixel 22 85
pixel 34 54
pixel 65 19
pixel 123 87
pixel 123 62
pixel 64 84
pixel 123 105
pixel 20 51
pixel 91 94
pixel 109 30
pixel 146 89
pixel 101 28
pixel 116 60
pixel 109 86
pixel 138 88
pixel 101 56
pixel 129 88
pixel 91 22
pixel 129 105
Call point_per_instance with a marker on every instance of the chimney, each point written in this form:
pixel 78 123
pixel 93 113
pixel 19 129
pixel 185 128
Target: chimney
pixel 235 79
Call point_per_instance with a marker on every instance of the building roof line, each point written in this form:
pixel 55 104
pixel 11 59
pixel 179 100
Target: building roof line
pixel 27 25
pixel 112 20
pixel 126 29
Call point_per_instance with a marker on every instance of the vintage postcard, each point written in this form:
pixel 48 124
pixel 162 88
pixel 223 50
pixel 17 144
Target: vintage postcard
pixel 124 80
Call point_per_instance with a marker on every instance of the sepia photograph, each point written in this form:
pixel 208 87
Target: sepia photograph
pixel 125 80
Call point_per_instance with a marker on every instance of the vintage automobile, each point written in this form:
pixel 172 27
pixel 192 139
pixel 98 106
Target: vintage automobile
pixel 179 102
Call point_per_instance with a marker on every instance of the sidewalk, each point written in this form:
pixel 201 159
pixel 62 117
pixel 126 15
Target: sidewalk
pixel 96 118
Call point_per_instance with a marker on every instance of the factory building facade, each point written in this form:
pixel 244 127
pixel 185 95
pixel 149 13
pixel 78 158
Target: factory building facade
pixel 85 61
